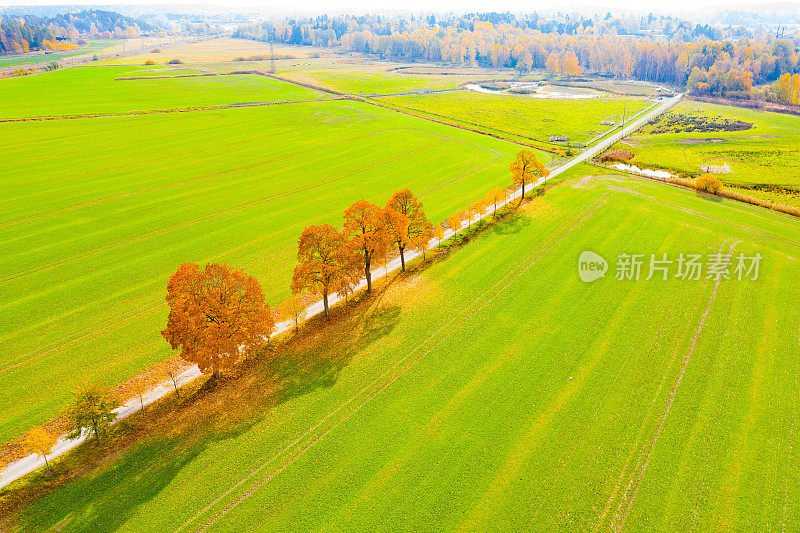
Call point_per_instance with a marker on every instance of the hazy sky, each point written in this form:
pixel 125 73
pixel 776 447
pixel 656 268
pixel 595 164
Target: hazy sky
pixel 684 7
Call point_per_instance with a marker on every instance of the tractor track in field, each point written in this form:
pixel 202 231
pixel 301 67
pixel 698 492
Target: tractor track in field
pixel 578 439
pixel 520 268
pixel 216 128
pixel 623 509
pixel 193 180
pixel 643 426
pixel 90 332
pixel 207 217
pixel 688 210
pixel 786 503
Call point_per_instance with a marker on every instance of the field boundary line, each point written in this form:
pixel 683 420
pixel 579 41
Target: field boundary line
pixel 410 112
pixel 49 118
pixel 736 205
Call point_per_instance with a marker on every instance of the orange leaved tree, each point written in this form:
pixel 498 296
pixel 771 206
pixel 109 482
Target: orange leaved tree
pixel 525 169
pixel 396 225
pixel 366 234
pixel 419 230
pixel 708 183
pixel 216 315
pixel 494 197
pixel 41 443
pixel 438 234
pixel 324 262
pixel 455 221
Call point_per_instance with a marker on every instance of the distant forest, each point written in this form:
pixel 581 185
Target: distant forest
pixel 19 34
pixel 729 61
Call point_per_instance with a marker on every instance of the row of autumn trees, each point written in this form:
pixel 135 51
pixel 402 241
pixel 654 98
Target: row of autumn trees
pixel 333 261
pixel 218 314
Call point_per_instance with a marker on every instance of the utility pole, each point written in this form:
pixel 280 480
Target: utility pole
pixel 271 57
pixel 624 112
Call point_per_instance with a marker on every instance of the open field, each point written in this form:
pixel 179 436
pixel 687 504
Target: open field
pixel 98 212
pixel 361 76
pixel 620 87
pixel 225 49
pixel 526 117
pixel 94 46
pixel 766 151
pixel 496 391
pixel 96 90
pixel 386 80
pixel 323 67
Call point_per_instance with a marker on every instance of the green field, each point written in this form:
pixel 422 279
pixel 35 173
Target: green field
pixel 94 46
pixel 768 153
pixel 522 116
pixel 357 81
pixel 96 90
pixel 496 391
pixel 98 212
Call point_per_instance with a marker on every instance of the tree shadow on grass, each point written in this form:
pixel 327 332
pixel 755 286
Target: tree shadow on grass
pixel 108 494
pixel 512 223
pixel 708 196
pixel 104 502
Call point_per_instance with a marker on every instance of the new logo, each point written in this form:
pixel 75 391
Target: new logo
pixel 591 266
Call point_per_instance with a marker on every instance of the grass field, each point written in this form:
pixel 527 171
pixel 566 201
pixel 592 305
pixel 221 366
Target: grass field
pixel 94 46
pixel 496 391
pixel 361 76
pixel 531 118
pixel 620 87
pixel 379 81
pixel 225 49
pixel 96 90
pixel 768 153
pixel 98 212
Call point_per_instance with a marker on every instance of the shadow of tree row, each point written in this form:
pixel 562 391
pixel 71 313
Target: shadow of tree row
pixel 102 498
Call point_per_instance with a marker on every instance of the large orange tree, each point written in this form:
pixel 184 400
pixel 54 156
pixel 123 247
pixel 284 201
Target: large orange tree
pixel 525 169
pixel 325 262
pixel 366 234
pixel 217 314
pixel 418 230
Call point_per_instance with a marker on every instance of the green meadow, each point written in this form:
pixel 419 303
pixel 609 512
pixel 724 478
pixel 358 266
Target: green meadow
pixel 98 212
pixel 96 90
pixel 765 153
pixel 365 82
pixel 495 390
pixel 20 60
pixel 521 116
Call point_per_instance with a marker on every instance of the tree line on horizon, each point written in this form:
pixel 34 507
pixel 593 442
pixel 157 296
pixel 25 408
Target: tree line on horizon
pixel 26 33
pixel 704 60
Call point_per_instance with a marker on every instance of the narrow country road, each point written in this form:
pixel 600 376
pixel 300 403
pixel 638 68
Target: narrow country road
pixel 592 151
pixel 21 467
